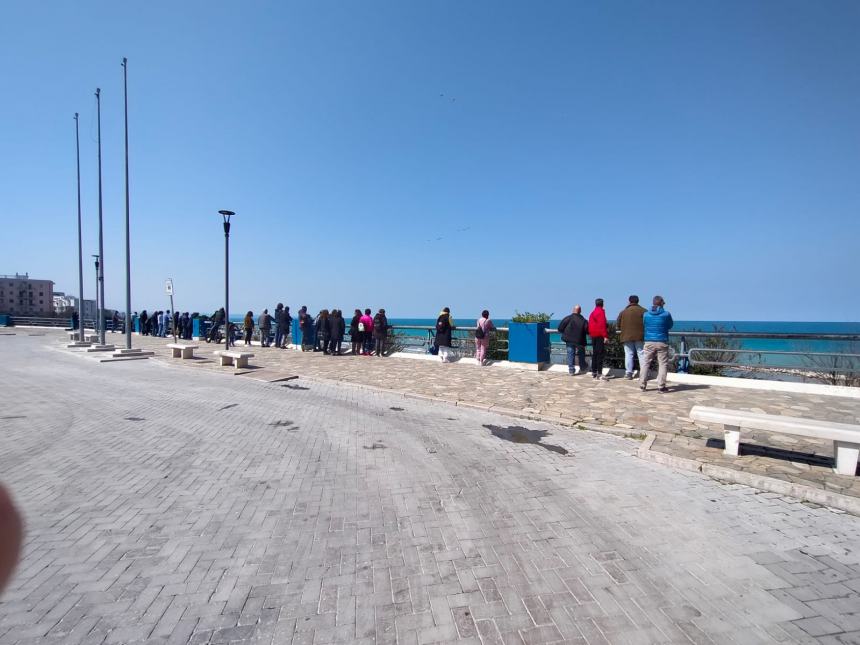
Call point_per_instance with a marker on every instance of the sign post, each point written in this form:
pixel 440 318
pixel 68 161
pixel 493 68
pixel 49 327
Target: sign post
pixel 168 289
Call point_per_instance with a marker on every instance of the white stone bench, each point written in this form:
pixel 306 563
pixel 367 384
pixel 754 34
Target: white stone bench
pixel 235 358
pixel 182 351
pixel 845 436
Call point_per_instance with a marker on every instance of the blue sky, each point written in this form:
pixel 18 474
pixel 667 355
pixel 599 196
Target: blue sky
pixel 413 155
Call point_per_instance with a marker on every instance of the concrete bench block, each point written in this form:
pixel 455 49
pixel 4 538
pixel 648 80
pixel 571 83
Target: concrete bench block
pixel 237 359
pixel 182 351
pixel 845 436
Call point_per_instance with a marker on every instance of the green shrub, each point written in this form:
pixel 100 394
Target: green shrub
pixel 529 317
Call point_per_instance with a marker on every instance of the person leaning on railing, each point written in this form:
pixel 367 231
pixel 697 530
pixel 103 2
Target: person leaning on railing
pixel 483 327
pixel 573 330
pixel 632 334
pixel 444 327
pixel 657 324
pixel 599 333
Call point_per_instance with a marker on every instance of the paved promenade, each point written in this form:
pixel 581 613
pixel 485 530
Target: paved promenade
pixel 617 404
pixel 168 505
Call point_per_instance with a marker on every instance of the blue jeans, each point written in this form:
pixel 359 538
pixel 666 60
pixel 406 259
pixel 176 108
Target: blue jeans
pixel 579 352
pixel 631 347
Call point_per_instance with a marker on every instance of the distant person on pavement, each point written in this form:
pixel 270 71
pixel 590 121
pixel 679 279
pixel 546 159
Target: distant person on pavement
pixel 632 334
pixel 217 321
pixel 114 322
pixel 337 329
pixel 365 326
pixel 144 319
pixel 657 324
pixel 279 325
pixel 248 326
pixel 573 329
pixel 599 333
pixel 265 324
pixel 355 334
pixel 288 327
pixel 323 331
pixel 380 331
pixel 483 327
pixel 176 328
pixel 11 535
pixel 444 329
pixel 306 324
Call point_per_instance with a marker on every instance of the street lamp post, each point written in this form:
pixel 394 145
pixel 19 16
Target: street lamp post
pixel 101 233
pixel 227 335
pixel 98 321
pixel 80 329
pixel 127 241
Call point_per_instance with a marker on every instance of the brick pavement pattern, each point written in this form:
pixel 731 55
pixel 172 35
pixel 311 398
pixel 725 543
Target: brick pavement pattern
pixel 571 400
pixel 178 506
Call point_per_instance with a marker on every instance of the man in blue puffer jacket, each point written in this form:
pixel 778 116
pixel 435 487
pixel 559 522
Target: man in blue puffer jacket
pixel 657 324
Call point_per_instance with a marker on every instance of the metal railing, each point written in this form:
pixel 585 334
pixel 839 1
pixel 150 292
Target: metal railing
pixel 731 357
pixel 58 323
pixel 418 339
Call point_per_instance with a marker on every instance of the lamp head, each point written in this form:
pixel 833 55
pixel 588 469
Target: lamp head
pixel 226 215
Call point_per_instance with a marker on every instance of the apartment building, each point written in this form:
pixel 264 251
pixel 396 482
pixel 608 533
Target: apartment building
pixel 25 296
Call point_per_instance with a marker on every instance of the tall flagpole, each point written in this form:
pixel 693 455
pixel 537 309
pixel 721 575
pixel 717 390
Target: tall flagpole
pixel 128 321
pixel 101 234
pixel 80 241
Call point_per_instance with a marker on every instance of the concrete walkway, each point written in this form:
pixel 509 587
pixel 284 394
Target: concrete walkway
pixel 167 506
pixel 617 404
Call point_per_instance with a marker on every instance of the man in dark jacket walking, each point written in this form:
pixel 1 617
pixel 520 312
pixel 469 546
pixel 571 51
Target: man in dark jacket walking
pixel 573 329
pixel 632 334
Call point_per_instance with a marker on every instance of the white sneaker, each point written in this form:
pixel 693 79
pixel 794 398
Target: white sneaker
pixel 577 370
pixel 603 377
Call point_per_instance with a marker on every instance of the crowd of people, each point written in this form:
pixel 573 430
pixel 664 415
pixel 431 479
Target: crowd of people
pixel 644 335
pixel 163 323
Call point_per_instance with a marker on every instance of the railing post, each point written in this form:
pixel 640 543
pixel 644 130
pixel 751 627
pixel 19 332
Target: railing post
pixel 683 363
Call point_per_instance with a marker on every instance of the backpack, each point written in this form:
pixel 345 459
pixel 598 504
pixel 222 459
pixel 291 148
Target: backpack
pixel 480 334
pixel 360 326
pixel 378 324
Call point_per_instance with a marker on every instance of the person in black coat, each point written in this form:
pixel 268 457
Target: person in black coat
pixel 380 331
pixel 355 335
pixel 573 329
pixel 444 328
pixel 144 319
pixel 337 329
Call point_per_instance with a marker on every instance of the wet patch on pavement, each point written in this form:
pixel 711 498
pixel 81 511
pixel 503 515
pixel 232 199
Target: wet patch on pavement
pixel 518 434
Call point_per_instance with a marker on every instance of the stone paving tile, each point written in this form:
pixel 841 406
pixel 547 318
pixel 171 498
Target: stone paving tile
pixel 617 404
pixel 241 511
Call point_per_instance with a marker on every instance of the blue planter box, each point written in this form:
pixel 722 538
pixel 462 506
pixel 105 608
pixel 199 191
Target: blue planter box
pixel 528 343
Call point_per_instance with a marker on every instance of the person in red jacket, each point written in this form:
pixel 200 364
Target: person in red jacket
pixel 599 333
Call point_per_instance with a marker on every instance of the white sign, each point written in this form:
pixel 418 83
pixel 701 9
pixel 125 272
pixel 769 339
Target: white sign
pixel 168 287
